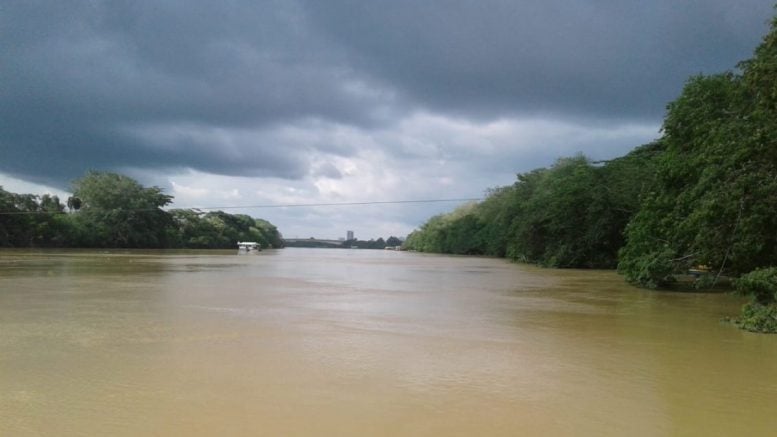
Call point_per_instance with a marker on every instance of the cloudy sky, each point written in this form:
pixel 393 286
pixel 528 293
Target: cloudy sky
pixel 284 102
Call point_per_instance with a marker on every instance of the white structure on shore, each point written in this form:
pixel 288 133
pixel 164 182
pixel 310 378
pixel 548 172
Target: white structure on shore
pixel 248 246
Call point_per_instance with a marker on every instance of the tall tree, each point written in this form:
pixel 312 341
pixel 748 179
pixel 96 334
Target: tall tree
pixel 716 188
pixel 117 211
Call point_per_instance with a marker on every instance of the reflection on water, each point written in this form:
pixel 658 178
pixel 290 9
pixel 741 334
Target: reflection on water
pixel 357 342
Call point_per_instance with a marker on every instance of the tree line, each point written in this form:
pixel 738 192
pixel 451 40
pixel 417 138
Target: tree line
pixel 380 243
pixel 703 196
pixel 109 210
pixel 571 214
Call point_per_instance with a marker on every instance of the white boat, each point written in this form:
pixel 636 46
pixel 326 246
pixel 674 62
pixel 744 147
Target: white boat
pixel 248 246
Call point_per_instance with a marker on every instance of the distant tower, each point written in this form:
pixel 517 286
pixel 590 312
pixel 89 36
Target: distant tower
pixel 349 235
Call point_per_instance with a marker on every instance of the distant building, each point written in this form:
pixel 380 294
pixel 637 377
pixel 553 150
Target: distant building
pixel 349 235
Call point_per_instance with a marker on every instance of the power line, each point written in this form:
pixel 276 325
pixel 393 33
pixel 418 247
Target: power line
pixel 302 205
pixel 262 206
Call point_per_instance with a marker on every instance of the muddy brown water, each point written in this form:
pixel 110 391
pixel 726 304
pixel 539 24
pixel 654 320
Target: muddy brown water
pixel 358 342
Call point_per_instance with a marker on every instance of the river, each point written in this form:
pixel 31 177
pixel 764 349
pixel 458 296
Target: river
pixel 360 342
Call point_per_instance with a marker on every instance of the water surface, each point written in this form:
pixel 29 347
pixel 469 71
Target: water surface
pixel 359 342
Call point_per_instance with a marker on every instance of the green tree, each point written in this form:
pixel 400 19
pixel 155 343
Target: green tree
pixel 393 241
pixel 14 224
pixel 715 194
pixel 116 211
pixel 760 314
pixel 270 233
pixel 30 220
pixel 495 215
pixel 220 230
pixel 569 215
pixel 112 210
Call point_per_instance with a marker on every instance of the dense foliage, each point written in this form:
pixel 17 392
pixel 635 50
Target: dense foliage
pixel 112 210
pixel 569 215
pixel 715 193
pixel 116 211
pixel 29 220
pixel 219 230
pixel 760 314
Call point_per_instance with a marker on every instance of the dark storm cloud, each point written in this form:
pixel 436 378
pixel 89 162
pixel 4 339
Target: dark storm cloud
pixel 230 88
pixel 78 77
pixel 601 58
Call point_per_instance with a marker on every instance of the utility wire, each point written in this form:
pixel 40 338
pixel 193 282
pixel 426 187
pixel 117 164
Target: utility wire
pixel 289 205
pixel 302 205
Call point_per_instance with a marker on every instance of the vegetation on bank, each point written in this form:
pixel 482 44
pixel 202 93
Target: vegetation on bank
pixel 703 195
pixel 391 242
pixel 569 215
pixel 109 210
pixel 380 243
pixel 760 314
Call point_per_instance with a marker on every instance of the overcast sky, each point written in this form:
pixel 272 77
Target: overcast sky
pixel 307 101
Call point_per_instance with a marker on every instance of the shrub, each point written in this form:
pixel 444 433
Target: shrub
pixel 760 314
pixel 758 318
pixel 760 284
